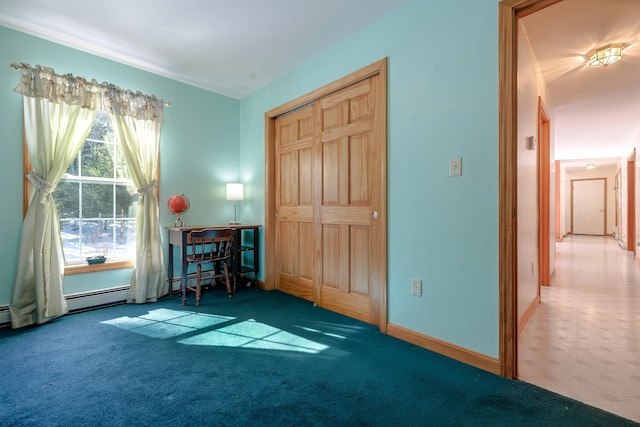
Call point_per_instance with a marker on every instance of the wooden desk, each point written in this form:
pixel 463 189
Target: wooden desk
pixel 178 236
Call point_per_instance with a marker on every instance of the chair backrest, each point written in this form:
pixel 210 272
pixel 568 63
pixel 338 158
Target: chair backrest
pixel 212 244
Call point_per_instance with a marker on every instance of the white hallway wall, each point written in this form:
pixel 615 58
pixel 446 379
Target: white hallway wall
pixel 531 87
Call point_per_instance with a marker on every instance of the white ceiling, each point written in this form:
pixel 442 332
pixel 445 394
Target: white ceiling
pixel 231 47
pixel 596 111
pixel 234 47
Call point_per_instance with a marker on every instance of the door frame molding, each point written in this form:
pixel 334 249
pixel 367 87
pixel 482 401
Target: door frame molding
pixel 631 202
pixel 604 201
pixel 544 196
pixel 617 188
pixel 271 268
pixel 509 11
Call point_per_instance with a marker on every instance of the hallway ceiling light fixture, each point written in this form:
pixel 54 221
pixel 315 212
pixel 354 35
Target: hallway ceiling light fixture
pixel 605 55
pixel 591 166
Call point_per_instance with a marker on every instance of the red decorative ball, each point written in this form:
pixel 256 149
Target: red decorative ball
pixel 178 204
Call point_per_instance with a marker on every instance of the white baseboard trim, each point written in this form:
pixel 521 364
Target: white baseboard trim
pixel 82 301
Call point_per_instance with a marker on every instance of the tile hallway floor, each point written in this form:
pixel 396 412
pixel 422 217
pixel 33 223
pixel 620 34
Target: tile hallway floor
pixel 583 339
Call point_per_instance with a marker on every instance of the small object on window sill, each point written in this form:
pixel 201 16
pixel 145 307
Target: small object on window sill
pixel 99 259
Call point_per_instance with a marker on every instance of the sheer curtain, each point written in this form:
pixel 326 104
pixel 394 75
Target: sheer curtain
pixel 54 134
pixel 139 142
pixel 59 112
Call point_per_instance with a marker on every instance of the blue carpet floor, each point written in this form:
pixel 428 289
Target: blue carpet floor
pixel 258 359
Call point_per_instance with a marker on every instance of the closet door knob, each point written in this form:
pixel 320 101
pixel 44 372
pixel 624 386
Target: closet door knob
pixel 374 215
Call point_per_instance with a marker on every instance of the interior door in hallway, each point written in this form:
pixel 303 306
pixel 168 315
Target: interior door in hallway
pixel 588 206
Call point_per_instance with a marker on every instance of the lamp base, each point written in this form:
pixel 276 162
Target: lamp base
pixel 234 222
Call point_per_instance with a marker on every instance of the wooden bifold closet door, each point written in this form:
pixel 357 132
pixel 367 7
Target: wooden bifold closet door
pixel 330 200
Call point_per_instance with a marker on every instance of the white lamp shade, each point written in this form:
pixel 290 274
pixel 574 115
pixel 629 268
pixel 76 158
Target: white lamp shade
pixel 235 191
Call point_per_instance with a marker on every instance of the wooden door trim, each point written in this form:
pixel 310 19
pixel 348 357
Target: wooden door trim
pixel 380 248
pixel 617 210
pixel 544 197
pixel 378 67
pixel 509 11
pixel 270 265
pixel 631 202
pixel 558 181
pixel 604 202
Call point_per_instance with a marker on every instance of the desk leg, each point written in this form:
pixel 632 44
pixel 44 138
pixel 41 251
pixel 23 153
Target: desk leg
pixel 235 259
pixel 170 267
pixel 183 283
pixel 184 266
pixel 256 257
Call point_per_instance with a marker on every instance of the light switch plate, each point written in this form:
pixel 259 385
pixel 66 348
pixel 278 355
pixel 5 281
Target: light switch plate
pixel 455 166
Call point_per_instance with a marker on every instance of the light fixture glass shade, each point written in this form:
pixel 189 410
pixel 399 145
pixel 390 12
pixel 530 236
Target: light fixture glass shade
pixel 606 55
pixel 235 191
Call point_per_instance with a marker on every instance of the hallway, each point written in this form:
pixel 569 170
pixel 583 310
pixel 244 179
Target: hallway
pixel 583 340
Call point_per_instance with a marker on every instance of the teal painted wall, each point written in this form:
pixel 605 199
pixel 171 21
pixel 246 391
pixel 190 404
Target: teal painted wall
pixel 442 103
pixel 199 146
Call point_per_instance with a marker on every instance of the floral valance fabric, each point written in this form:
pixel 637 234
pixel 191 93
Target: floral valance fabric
pixel 43 82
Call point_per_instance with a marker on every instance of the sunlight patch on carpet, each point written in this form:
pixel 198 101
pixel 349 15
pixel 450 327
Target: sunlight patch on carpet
pixel 128 323
pixel 163 330
pixel 329 334
pixel 252 334
pixel 162 314
pixel 200 321
pixel 165 323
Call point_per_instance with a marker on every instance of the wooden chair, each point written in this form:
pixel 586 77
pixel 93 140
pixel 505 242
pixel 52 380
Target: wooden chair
pixel 214 247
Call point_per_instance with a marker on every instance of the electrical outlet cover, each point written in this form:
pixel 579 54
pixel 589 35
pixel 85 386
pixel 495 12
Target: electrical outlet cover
pixel 416 287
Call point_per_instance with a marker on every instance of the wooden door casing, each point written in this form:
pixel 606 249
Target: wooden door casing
pixel 544 197
pixel 617 188
pixel 509 11
pixel 588 206
pixel 631 202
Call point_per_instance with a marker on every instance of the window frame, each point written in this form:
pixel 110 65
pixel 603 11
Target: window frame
pixel 79 268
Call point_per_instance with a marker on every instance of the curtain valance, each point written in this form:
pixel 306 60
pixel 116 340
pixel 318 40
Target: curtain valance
pixel 44 82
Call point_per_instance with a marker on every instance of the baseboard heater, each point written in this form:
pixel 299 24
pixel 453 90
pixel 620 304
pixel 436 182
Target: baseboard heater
pixel 83 301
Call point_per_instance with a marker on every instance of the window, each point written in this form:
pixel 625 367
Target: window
pixel 97 201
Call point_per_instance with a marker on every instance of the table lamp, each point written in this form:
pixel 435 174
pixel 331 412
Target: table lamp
pixel 235 192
